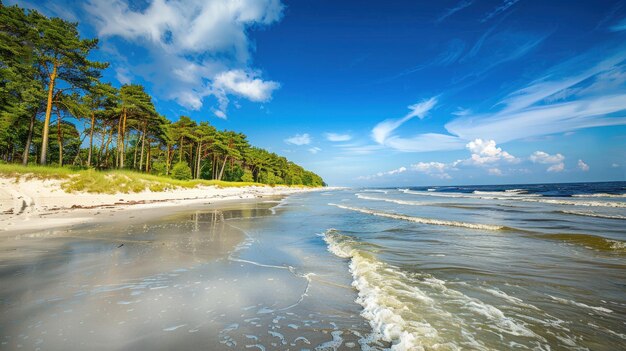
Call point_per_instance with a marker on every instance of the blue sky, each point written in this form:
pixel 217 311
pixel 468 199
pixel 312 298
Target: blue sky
pixel 375 93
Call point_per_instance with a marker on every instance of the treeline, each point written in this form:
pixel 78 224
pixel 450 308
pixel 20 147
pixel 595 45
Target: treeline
pixel 48 85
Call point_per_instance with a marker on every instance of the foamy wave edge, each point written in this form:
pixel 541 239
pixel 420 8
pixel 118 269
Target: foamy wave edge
pixel 422 220
pixel 593 214
pixel 520 198
pixel 386 324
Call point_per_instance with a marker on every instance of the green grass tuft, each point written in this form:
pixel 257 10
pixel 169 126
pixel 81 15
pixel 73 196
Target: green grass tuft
pixel 111 182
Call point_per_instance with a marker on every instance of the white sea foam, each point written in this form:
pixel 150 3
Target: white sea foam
pixel 420 312
pixel 579 304
pixel 374 191
pixel 599 195
pixel 395 201
pixel 510 193
pixel 594 214
pixel 383 314
pixel 526 198
pixel 421 220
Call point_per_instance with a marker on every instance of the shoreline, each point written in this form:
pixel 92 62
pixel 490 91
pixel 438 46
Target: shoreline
pixel 35 204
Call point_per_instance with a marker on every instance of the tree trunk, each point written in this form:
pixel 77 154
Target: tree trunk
pixel 29 139
pixel 46 123
pixel 123 137
pixel 117 141
pixel 148 158
pixel 167 159
pixel 60 139
pixel 198 156
pixel 136 150
pixel 143 142
pixel 223 166
pixel 106 147
pixel 180 157
pixel 93 123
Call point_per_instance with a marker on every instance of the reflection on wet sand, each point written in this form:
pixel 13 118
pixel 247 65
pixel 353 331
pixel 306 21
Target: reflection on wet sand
pixel 194 279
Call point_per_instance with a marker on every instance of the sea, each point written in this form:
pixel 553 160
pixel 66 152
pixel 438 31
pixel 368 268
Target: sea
pixel 503 267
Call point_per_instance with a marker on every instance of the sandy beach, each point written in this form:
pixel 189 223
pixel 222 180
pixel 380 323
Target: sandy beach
pixel 36 203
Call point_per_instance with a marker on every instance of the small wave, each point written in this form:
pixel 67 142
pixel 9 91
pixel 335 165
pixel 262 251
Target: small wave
pixel 599 195
pixel 593 214
pixel 579 304
pixel 374 191
pixel 399 202
pixel 510 192
pixel 526 198
pixel 589 241
pixel 386 319
pixel 414 311
pixel 422 220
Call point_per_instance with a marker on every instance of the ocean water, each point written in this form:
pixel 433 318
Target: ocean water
pixel 537 267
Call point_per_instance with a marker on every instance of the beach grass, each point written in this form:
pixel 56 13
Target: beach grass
pixel 110 181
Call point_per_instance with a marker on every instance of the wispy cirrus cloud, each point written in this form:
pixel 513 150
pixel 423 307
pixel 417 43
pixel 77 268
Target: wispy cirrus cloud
pixel 299 139
pixel 337 137
pixel 619 26
pixel 451 11
pixel 584 92
pixel 383 132
pixel 194 49
pixel 506 4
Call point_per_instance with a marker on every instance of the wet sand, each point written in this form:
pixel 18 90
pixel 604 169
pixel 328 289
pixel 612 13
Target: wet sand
pixel 198 276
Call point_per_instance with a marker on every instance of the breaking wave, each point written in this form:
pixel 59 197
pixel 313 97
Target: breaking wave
pixel 525 198
pixel 421 220
pixel 420 312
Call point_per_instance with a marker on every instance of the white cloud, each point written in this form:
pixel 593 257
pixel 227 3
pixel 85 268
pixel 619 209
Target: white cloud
pixel 383 130
pixel 581 93
pixel 615 165
pixel 556 160
pixel 495 171
pixel 583 166
pixel 219 114
pixel 245 84
pixel 335 137
pixel 486 152
pixel 458 7
pixel 559 167
pixel 382 174
pixel 314 150
pixel 425 142
pixel 242 83
pixel 123 75
pixel 299 139
pixel 505 6
pixel 434 169
pixel 193 48
pixel 533 110
pixel 546 158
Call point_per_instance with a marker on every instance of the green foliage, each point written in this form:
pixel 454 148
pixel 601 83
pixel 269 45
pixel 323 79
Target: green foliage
pixel 159 168
pixel 52 102
pixel 181 171
pixel 247 176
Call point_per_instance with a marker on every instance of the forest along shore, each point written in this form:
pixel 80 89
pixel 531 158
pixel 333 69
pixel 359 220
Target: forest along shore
pixel 42 203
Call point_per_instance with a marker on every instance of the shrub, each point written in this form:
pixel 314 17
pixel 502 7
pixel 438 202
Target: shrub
pixel 247 176
pixel 181 171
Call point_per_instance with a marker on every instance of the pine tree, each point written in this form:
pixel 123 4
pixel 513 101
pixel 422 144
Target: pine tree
pixel 62 55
